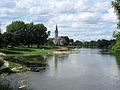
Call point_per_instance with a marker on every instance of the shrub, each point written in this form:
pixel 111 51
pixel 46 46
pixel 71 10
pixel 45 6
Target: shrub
pixel 116 47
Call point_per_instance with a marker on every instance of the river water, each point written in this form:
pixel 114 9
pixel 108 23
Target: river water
pixel 85 69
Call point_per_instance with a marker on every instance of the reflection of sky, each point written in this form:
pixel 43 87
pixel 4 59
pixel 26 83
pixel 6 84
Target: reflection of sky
pixel 82 64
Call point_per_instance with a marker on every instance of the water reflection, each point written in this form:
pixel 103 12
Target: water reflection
pixel 86 70
pixel 117 56
pixel 59 58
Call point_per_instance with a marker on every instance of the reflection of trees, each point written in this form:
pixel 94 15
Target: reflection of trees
pixel 56 62
pixel 59 57
pixel 118 59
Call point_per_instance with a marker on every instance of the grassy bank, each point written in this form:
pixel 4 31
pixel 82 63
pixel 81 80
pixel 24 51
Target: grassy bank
pixel 24 57
pixel 25 51
pixel 20 57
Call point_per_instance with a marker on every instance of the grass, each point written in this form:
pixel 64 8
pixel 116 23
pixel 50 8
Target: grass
pixel 14 65
pixel 25 51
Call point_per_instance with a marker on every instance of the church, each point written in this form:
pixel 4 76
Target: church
pixel 58 40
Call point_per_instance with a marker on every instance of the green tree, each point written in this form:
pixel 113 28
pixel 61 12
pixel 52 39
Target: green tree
pixel 103 43
pixel 116 5
pixel 66 42
pixel 78 43
pixel 28 34
pixel 1 39
pixel 17 29
pixel 16 26
pixel 92 43
pixel 7 39
pixel 39 34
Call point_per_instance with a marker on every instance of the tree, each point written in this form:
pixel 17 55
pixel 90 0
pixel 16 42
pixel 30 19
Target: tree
pixel 17 29
pixel 116 5
pixel 16 26
pixel 28 34
pixel 93 43
pixel 102 43
pixel 7 39
pixel 1 39
pixel 77 43
pixel 66 40
pixel 71 41
pixel 39 34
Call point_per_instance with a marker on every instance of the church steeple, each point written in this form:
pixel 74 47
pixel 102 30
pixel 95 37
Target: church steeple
pixel 56 31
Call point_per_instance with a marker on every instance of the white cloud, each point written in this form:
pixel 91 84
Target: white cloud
pixel 110 16
pixel 81 16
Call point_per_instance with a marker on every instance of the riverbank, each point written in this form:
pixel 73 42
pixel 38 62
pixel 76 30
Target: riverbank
pixel 21 58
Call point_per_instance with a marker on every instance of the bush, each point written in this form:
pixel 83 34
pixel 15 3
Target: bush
pixel 116 47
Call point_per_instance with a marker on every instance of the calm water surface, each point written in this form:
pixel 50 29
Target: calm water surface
pixel 84 69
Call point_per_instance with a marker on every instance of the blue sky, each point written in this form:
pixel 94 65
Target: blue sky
pixel 79 19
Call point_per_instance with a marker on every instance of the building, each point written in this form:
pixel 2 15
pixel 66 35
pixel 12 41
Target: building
pixel 59 40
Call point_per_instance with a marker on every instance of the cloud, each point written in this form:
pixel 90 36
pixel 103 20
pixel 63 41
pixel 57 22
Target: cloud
pixel 79 19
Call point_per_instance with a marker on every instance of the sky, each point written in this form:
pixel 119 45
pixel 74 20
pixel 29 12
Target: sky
pixel 78 19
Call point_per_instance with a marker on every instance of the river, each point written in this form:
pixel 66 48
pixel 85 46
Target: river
pixel 84 69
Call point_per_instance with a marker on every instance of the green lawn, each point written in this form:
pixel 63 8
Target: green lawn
pixel 26 51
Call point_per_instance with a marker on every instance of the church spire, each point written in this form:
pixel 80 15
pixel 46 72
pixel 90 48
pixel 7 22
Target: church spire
pixel 56 31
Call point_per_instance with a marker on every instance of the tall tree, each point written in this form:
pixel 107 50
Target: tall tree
pixel 116 5
pixel 17 29
pixel 29 34
pixel 39 34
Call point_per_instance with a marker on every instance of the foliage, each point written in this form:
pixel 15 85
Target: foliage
pixel 77 43
pixel 27 34
pixel 116 5
pixel 1 39
pixel 95 44
pixel 39 34
pixel 7 39
pixel 66 42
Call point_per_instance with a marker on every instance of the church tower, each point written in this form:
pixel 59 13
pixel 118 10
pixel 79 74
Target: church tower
pixel 56 32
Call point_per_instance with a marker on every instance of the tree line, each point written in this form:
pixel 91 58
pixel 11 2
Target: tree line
pixel 103 43
pixel 21 33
